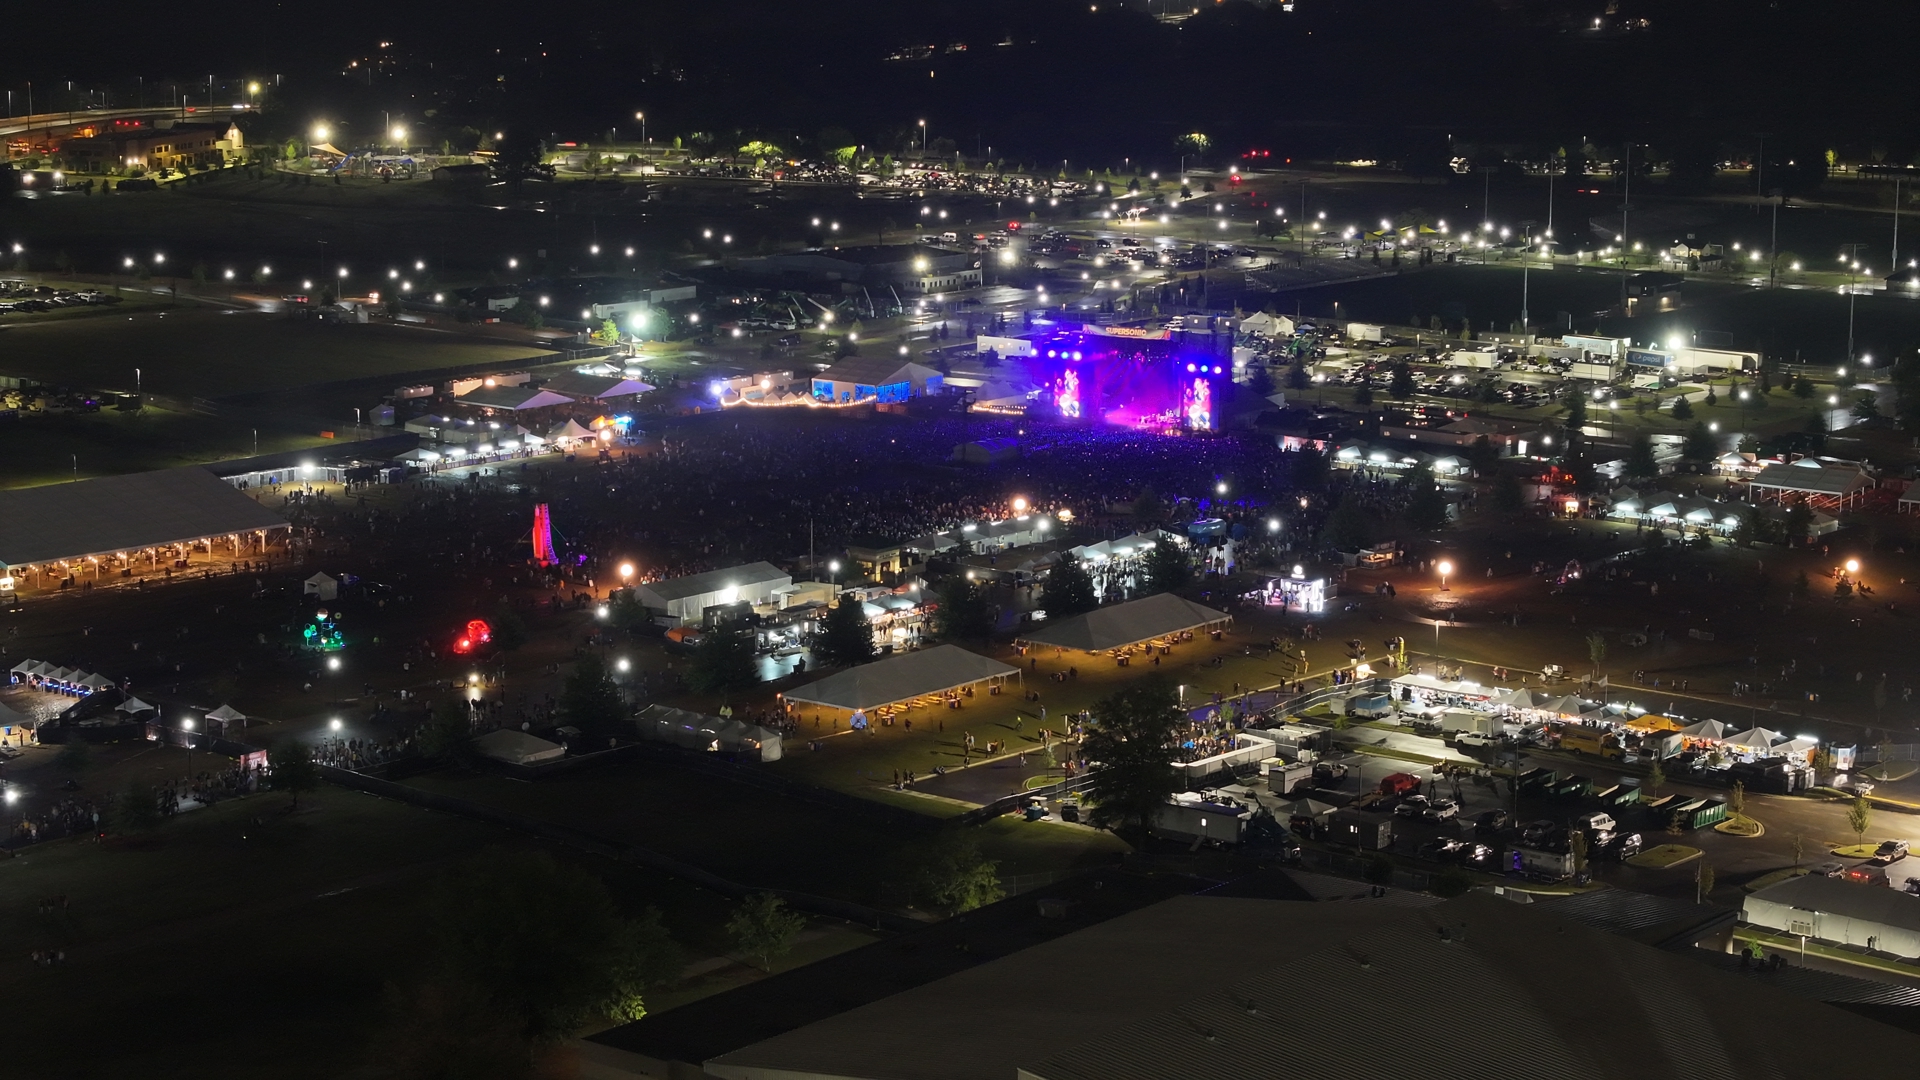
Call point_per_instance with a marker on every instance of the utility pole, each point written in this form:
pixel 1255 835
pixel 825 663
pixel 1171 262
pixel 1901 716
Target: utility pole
pixel 1852 258
pixel 1895 265
pixel 1773 263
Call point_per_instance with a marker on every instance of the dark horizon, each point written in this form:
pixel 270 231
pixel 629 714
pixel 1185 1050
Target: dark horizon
pixel 1100 83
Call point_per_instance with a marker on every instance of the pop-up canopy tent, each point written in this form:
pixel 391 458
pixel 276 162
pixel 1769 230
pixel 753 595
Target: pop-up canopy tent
pixel 902 678
pixel 1128 624
pixel 1710 730
pixel 698 731
pixel 571 431
pixel 1757 739
pixel 322 587
pixel 133 705
pixel 227 714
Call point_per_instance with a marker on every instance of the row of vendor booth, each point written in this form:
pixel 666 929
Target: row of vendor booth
pixel 51 678
pixel 1605 730
pixel 713 734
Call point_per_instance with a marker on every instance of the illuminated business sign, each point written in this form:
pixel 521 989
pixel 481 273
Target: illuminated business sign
pixel 1138 332
pixel 1649 358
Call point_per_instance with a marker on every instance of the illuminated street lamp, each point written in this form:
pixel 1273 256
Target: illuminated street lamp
pixel 1446 569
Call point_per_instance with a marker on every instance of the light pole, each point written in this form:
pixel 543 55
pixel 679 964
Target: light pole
pixel 1446 569
pixel 186 726
pixel 642 117
pixel 923 139
pixel 1850 256
pixel 833 574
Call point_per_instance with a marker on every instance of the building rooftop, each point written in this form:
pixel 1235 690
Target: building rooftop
pixel 123 513
pixel 1216 986
pixel 682 588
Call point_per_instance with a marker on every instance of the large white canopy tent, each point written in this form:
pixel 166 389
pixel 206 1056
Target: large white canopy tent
pixel 517 747
pixel 902 678
pixel 1126 624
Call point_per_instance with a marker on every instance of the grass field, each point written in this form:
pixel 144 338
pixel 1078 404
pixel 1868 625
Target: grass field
pixel 758 837
pixel 214 354
pixel 50 448
pixel 216 942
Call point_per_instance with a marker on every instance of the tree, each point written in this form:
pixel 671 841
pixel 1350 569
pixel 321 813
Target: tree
pixel 1799 848
pixel 846 635
pixel 1131 742
pixel 1297 377
pixel 763 927
pixel 518 158
pixel 723 660
pixel 1703 878
pixel 1596 651
pixel 1069 589
pixel 1802 387
pixel 1700 444
pixel 1737 799
pixel 1577 849
pixel 1363 396
pixel 590 699
pixel 1426 503
pixel 1682 410
pixel 541 945
pixel 1640 460
pixel 292 768
pixel 609 331
pixel 1351 526
pixel 1401 383
pixel 448 730
pixel 1576 404
pixel 964 611
pixel 1867 408
pixel 1148 509
pixel 1656 778
pixel 953 874
pixel 137 809
pixel 1860 818
pixel 1168 567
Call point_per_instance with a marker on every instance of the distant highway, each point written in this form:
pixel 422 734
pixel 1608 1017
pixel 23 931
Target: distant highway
pixel 20 125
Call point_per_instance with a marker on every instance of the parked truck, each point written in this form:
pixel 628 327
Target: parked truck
pixel 1586 739
pixel 1365 332
pixel 1283 777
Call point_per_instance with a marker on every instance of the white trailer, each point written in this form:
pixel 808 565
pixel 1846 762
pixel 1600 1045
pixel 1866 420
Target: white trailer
pixel 1472 358
pixel 1365 332
pixel 1188 816
pixel 1601 371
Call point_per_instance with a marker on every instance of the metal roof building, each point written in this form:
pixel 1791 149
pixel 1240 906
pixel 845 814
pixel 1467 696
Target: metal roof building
pixel 1223 986
pixel 687 598
pixel 115 515
pixel 902 678
pixel 1128 624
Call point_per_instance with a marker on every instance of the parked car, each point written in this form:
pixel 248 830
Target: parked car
pixel 1890 851
pixel 1472 740
pixel 1830 868
pixel 1412 806
pixel 1620 847
pixel 1490 821
pixel 1441 810
pixel 1536 831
